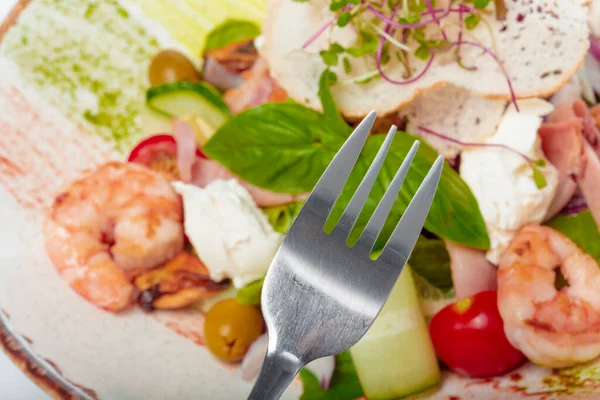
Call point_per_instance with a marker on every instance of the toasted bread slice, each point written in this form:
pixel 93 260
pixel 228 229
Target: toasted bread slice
pixel 456 113
pixel 541 44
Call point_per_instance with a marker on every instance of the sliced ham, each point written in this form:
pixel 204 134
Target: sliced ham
pixel 258 88
pixel 219 76
pixel 571 142
pixel 562 143
pixel 206 171
pixel 224 66
pixel 589 181
pixel 183 133
pixel 201 171
pixel 471 271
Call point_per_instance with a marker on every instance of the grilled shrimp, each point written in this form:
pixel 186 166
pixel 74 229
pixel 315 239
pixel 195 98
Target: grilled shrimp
pixel 118 220
pixel 553 328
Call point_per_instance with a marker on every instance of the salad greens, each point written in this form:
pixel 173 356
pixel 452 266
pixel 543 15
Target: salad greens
pixel 231 31
pixel 431 261
pixel 286 147
pixel 344 383
pixel 281 217
pixel 250 294
pixel 581 229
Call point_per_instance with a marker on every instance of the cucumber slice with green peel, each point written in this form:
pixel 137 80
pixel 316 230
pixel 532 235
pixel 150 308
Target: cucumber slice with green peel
pixel 432 298
pixel 153 122
pixel 182 99
pixel 396 358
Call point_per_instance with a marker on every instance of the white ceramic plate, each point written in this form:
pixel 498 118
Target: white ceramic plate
pixel 72 349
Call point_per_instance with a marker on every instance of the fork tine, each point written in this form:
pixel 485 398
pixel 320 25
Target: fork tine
pixel 377 220
pixel 328 188
pixel 359 198
pixel 406 233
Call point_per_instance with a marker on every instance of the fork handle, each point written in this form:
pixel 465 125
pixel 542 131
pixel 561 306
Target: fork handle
pixel 277 372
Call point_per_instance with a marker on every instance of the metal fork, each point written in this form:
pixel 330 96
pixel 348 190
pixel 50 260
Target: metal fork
pixel 320 296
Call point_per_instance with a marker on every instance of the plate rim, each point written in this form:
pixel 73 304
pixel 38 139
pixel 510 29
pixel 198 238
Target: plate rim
pixel 47 378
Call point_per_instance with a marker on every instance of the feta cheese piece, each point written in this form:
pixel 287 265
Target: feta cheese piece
pixel 502 180
pixel 229 232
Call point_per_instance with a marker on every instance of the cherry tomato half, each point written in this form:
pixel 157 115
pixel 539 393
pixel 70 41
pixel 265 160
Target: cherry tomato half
pixel 468 336
pixel 159 153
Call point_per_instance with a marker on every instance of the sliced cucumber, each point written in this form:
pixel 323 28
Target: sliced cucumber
pixel 153 122
pixel 182 99
pixel 432 298
pixel 395 358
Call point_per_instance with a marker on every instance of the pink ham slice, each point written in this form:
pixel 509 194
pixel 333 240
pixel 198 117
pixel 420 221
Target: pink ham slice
pixel 471 271
pixel 258 88
pixel 201 172
pixel 571 142
pixel 205 171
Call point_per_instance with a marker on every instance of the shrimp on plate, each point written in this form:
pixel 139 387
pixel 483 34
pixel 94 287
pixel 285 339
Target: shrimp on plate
pixel 116 221
pixel 553 328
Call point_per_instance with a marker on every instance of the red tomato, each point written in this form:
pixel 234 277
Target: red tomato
pixel 468 336
pixel 158 152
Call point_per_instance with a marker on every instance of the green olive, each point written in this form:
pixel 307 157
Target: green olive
pixel 230 328
pixel 171 66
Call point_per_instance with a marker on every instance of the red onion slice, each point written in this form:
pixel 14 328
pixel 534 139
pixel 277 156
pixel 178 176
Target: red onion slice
pixel 254 358
pixel 323 369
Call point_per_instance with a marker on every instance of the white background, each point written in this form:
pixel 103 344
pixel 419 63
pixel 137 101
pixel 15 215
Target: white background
pixel 14 385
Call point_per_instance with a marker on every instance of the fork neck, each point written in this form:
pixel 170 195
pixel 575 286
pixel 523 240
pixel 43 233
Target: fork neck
pixel 277 372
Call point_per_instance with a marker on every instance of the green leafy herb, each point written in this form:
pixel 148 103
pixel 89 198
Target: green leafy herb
pixel 344 382
pixel 481 4
pixel 539 178
pixel 337 5
pixel 335 121
pixel 250 294
pixel 581 229
pixel 231 31
pixel 369 47
pixel 286 147
pixel 431 260
pixel 344 18
pixel 347 66
pixel 281 217
pixel 410 19
pixel 540 162
pixel 329 58
pixel 472 20
pixel 282 147
pixel 454 213
pixel 422 53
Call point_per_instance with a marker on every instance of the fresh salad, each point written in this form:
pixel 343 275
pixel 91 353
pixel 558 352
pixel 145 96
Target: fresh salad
pixel 234 137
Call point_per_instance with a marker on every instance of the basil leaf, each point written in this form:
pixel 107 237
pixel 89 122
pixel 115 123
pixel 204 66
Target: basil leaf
pixel 454 213
pixel 250 294
pixel 581 229
pixel 539 178
pixel 344 18
pixel 281 147
pixel 231 31
pixel 344 382
pixel 431 260
pixel 330 111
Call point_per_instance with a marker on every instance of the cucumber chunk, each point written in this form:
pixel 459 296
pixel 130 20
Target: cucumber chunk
pixel 396 358
pixel 182 99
